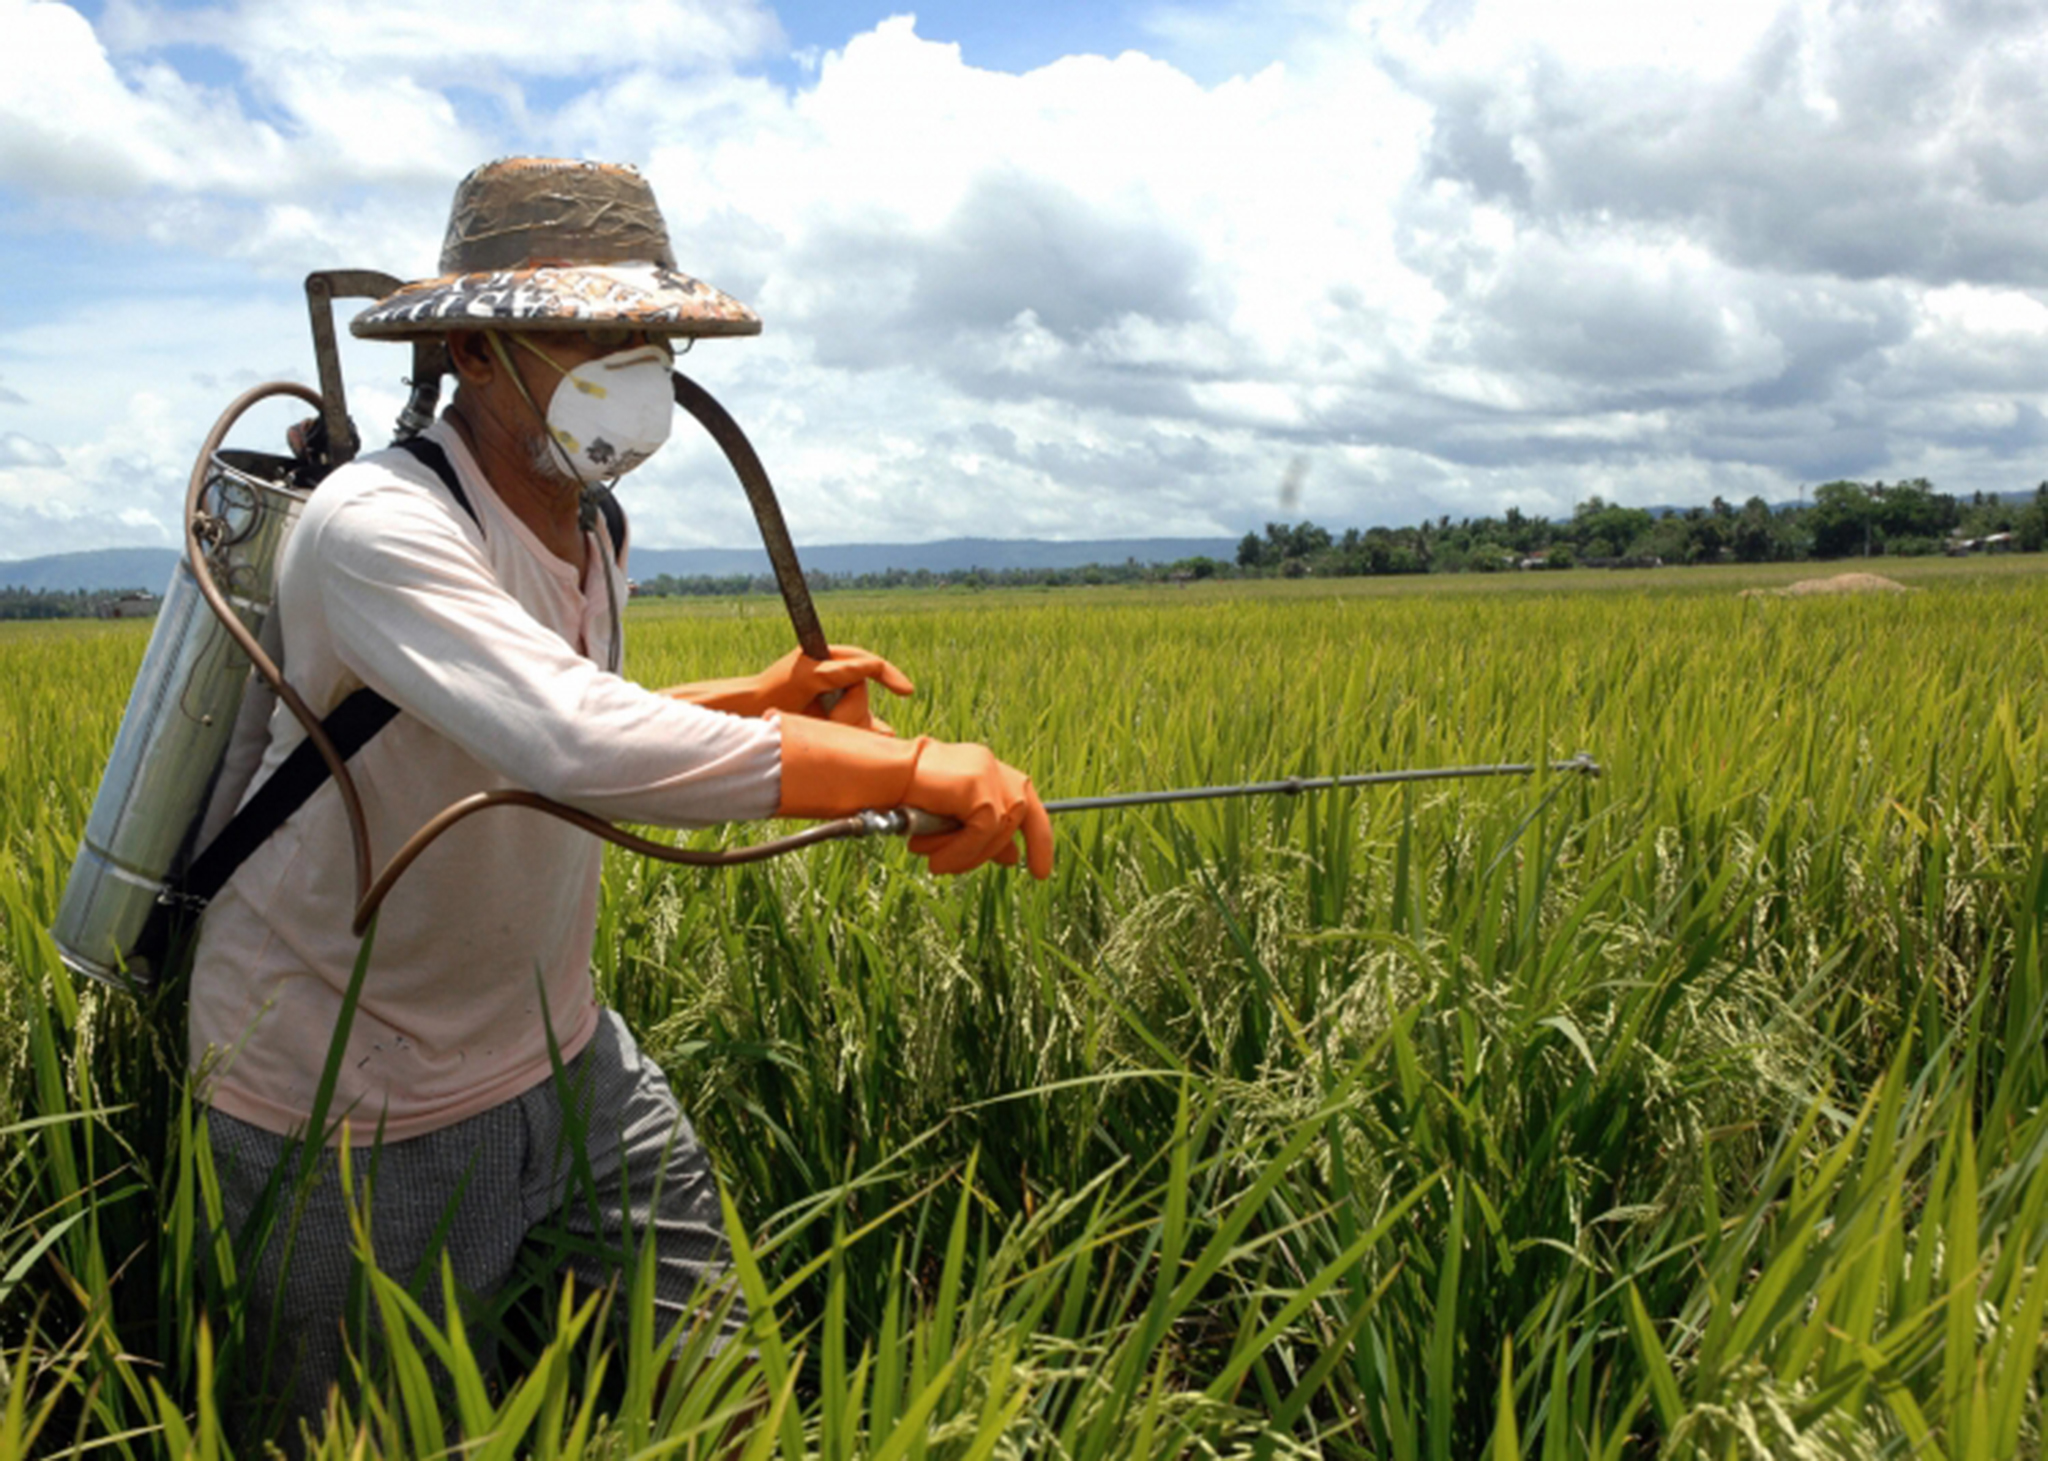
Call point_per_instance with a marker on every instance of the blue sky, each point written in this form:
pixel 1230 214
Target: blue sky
pixel 1070 270
pixel 1015 37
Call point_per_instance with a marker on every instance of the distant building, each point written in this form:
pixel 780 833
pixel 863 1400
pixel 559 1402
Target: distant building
pixel 1990 543
pixel 131 606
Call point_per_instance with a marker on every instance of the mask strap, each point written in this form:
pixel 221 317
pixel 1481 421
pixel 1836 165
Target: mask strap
pixel 532 349
pixel 505 358
pixel 586 499
pixel 540 354
pixel 583 383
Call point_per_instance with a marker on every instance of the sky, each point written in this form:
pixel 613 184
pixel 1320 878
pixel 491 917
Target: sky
pixel 1083 268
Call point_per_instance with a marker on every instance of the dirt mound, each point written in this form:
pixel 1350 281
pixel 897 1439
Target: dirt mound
pixel 1841 583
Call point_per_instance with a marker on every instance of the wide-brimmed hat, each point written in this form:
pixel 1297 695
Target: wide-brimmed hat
pixel 538 243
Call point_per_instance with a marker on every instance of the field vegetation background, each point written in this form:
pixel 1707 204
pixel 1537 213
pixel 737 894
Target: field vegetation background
pixel 1697 1109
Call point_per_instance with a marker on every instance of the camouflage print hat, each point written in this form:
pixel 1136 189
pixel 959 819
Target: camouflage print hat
pixel 538 243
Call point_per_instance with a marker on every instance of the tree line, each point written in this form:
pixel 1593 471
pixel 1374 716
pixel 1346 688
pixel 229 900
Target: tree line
pixel 44 603
pixel 1844 520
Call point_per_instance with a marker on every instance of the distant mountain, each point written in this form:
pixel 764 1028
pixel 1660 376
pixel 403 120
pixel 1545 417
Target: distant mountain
pixel 952 555
pixel 150 568
pixel 107 568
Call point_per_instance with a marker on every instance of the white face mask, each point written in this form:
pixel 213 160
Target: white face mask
pixel 610 414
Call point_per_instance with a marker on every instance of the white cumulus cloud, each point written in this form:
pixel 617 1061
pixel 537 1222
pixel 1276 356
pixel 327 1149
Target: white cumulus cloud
pixel 1450 255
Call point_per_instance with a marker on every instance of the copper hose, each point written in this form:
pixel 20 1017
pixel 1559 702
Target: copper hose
pixel 455 812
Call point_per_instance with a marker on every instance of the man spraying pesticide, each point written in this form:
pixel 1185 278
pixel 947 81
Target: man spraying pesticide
pixel 448 616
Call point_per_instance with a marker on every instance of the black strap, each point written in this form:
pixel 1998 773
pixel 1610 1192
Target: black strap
pixel 614 520
pixel 350 726
pixel 430 455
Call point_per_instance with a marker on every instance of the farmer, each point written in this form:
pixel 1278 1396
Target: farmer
pixel 474 587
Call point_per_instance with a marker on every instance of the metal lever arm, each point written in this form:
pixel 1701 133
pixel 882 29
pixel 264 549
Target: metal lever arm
pixel 746 465
pixel 323 287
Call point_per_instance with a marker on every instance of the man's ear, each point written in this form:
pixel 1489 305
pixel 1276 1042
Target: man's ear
pixel 469 355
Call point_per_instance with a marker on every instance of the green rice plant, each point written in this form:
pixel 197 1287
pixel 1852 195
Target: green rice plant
pixel 1694 1110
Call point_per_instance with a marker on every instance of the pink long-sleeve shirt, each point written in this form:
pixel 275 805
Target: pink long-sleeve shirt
pixel 493 650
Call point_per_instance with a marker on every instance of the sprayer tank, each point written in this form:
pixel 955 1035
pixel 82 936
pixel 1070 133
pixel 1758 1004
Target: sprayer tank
pixel 164 776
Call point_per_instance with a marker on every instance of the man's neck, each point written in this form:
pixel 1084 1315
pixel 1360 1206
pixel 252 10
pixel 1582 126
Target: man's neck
pixel 550 508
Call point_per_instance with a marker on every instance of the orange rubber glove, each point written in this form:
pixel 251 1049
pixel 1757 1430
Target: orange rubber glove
pixel 833 771
pixel 796 684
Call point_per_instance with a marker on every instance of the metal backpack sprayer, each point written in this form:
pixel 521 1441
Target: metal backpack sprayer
pixel 197 719
pixel 171 782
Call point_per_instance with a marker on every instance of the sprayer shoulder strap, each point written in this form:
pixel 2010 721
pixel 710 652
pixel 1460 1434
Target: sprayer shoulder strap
pixel 614 521
pixel 430 456
pixel 350 726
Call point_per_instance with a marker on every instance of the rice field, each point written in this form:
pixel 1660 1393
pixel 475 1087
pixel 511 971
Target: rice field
pixel 1692 1110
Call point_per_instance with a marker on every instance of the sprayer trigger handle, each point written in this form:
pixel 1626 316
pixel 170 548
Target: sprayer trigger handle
pixel 920 823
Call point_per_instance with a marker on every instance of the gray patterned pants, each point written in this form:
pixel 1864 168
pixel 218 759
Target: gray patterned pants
pixel 502 1192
